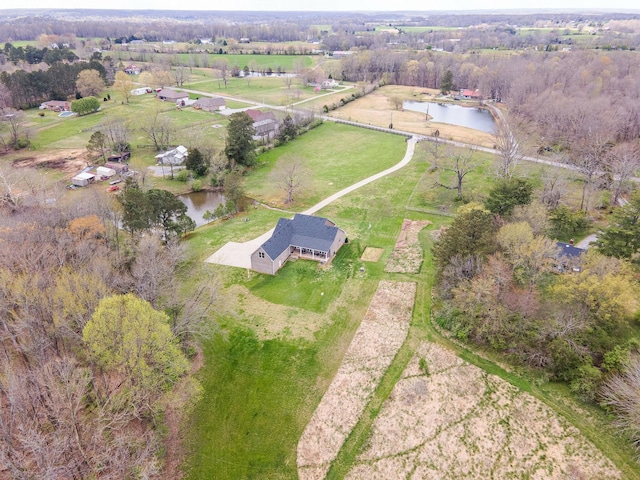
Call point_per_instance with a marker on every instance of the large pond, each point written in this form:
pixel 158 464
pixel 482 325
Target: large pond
pixel 199 202
pixel 470 117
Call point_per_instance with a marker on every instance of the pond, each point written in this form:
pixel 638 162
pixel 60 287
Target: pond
pixel 470 117
pixel 199 202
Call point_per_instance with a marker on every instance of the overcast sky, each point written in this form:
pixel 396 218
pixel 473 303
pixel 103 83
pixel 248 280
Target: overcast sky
pixel 333 5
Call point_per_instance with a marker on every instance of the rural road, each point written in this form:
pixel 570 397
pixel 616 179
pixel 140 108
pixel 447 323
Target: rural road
pixel 235 254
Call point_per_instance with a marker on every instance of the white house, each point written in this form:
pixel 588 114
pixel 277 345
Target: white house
pixel 173 157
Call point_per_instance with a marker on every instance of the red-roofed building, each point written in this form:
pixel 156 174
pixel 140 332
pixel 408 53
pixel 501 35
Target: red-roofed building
pixel 471 94
pixel 264 123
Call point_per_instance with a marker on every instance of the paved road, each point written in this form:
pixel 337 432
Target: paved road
pixel 235 254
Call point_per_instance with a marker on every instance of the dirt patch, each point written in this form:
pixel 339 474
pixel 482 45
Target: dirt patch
pixel 374 345
pixel 407 254
pixel 71 161
pixel 371 254
pixel 457 421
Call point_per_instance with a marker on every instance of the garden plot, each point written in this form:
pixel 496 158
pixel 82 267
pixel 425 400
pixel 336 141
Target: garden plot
pixel 446 418
pixel 371 254
pixel 374 345
pixel 407 254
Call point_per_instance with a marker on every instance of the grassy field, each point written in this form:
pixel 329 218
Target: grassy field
pixel 335 156
pixel 270 90
pixel 285 63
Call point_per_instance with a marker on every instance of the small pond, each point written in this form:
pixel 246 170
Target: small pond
pixel 199 202
pixel 470 117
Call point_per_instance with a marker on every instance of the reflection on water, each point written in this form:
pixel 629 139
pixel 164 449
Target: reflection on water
pixel 199 202
pixel 470 117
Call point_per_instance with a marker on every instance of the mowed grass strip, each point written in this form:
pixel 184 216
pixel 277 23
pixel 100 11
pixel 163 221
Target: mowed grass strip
pixel 334 157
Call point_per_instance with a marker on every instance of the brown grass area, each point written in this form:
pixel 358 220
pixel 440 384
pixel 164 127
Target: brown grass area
pixel 407 254
pixel 374 345
pixel 269 320
pixel 371 254
pixel 375 109
pixel 68 161
pixel 457 421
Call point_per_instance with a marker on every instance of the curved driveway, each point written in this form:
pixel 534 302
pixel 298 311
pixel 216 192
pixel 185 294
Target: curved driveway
pixel 235 254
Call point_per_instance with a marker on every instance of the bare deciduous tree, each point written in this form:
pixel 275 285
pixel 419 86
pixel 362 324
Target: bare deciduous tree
pixel 623 162
pixel 507 145
pixel 461 164
pixel 290 176
pixel 159 129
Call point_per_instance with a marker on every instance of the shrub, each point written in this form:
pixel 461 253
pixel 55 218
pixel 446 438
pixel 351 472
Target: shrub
pixel 182 176
pixel 196 185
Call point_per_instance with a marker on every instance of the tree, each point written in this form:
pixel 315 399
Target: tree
pixel 123 85
pixel 507 145
pixel 566 222
pixel 97 145
pixel 446 84
pixel 506 194
pixel 470 234
pixel 461 164
pixel 127 337
pixel 196 162
pixel 588 157
pixel 89 83
pixel 86 105
pixel 289 176
pixel 159 129
pixel 117 131
pixel 233 189
pixel 621 392
pixel 623 162
pixel 622 237
pixel 240 148
pixel 288 130
pixel 19 133
pixel 180 75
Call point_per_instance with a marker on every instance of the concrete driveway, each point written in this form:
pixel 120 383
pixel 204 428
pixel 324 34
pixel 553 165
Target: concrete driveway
pixel 235 254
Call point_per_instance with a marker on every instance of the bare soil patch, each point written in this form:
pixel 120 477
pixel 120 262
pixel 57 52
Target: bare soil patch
pixel 371 254
pixel 407 254
pixel 70 162
pixel 457 421
pixel 376 109
pixel 374 345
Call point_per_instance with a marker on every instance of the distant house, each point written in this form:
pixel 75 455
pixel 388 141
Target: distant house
pixel 568 257
pixel 327 84
pixel 56 106
pixel 245 40
pixel 471 94
pixel 173 157
pixel 210 104
pixel 265 124
pixel 169 95
pixel 132 69
pixel 342 53
pixel 306 236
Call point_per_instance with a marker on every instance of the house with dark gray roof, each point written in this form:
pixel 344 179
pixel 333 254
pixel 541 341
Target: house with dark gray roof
pixel 568 257
pixel 304 236
pixel 210 104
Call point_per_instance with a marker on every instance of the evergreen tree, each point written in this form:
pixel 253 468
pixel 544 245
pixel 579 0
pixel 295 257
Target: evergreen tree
pixel 508 193
pixel 197 163
pixel 240 149
pixel 622 238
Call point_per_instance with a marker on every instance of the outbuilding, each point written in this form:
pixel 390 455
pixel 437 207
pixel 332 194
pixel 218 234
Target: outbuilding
pixel 105 172
pixel 83 179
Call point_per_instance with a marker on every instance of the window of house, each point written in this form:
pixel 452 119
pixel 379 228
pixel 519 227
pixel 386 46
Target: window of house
pixel 261 254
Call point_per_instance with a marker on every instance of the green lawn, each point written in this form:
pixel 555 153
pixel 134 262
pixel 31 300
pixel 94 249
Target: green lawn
pixel 334 155
pixel 271 90
pixel 286 63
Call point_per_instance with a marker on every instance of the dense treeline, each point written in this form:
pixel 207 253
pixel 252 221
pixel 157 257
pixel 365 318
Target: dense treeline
pixel 91 345
pixel 58 82
pixel 505 285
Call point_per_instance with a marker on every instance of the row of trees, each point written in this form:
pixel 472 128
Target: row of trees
pixel 30 89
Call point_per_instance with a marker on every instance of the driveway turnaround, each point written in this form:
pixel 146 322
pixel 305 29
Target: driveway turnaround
pixel 235 254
